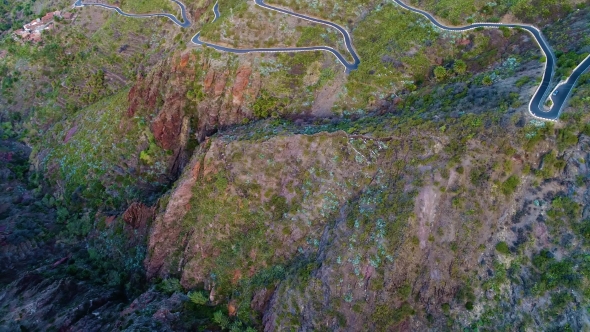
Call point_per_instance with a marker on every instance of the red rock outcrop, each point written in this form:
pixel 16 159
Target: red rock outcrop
pixel 240 85
pixel 166 229
pixel 161 95
pixel 137 215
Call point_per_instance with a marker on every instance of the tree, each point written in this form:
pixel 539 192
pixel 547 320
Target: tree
pixel 440 73
pixel 487 80
pixel 460 67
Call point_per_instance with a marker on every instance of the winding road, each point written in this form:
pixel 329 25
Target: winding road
pixel 347 39
pixel 558 96
pixel 536 105
pixel 185 24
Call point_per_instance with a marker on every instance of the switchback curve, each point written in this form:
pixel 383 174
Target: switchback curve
pixel 185 24
pixel 558 96
pixel 536 105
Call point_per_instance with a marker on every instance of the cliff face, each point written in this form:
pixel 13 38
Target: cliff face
pixel 204 93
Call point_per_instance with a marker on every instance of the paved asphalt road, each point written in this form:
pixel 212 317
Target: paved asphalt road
pixel 559 95
pixel 347 40
pixel 171 17
pixel 216 12
pixel 562 91
pixel 536 104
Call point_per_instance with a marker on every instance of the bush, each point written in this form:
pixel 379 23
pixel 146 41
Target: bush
pixel 385 315
pixel 582 229
pixel 469 306
pixel 440 73
pixel 460 67
pixel 446 308
pixel 170 286
pixel 502 248
pixel 509 186
pixel 278 206
pixel 505 31
pixel 198 298
pixel 554 273
pixel 405 291
pixel 265 105
pixel 478 176
pixel 566 138
pixel 220 319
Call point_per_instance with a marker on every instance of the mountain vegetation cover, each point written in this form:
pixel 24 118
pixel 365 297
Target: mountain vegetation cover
pixel 152 184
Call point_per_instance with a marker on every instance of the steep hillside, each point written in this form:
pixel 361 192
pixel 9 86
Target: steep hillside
pixel 150 184
pixel 425 228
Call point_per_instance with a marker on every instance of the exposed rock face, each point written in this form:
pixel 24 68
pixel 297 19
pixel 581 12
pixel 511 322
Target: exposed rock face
pixel 228 95
pixel 162 95
pixel 240 85
pixel 166 229
pixel 137 215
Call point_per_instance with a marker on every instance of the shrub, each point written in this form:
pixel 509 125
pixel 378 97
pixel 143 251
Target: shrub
pixel 278 206
pixel 197 298
pixel 566 138
pixel 220 319
pixel 384 315
pixel 469 306
pixel 265 105
pixel 554 273
pixel 502 248
pixel 478 175
pixel 505 31
pixel 522 81
pixel 509 186
pixel 460 67
pixel 170 286
pixel 582 229
pixel 440 73
pixel 405 291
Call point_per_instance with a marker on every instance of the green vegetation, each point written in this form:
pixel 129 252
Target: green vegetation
pixel 198 298
pixel 510 185
pixel 440 73
pixel 84 151
pixel 170 286
pixel 522 81
pixel 338 12
pixel 319 35
pixel 553 273
pixel 551 165
pixel 238 8
pixel 266 105
pixel 466 11
pixel 148 6
pixel 566 62
pixel 379 48
pixel 384 315
pixel 460 67
pixel 502 248
pixel 280 211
